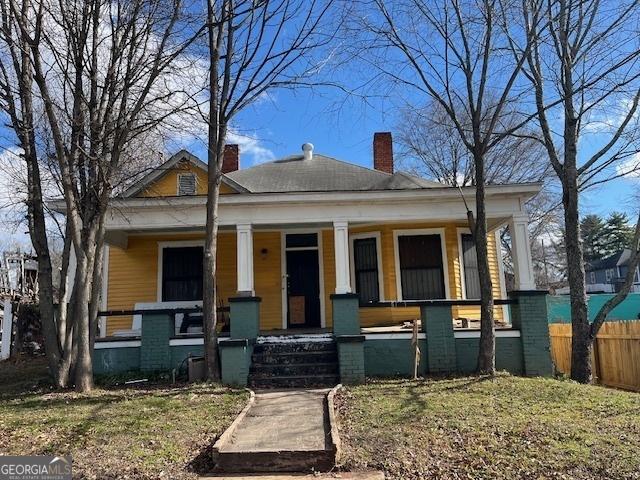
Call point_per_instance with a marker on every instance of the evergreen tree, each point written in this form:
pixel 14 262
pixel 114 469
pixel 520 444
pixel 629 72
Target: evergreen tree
pixel 618 233
pixel 593 231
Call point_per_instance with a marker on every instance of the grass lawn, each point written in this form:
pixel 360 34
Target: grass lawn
pixel 505 428
pixel 140 432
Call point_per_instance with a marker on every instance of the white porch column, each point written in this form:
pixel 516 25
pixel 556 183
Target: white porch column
pixel 341 242
pixel 245 259
pixel 7 324
pixel 521 250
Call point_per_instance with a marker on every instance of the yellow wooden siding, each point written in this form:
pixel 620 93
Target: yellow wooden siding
pixel 167 184
pixel 329 271
pixel 393 316
pixel 133 274
pixel 267 265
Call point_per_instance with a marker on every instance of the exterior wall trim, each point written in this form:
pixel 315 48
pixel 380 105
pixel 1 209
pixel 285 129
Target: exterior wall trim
pixel 393 336
pixel 117 344
pixel 443 247
pixel 105 289
pixel 476 334
pixel 177 342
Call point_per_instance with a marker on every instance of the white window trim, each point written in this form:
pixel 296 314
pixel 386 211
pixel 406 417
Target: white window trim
pixel 283 271
pixel 608 274
pixel 362 236
pixel 592 277
pixel 195 183
pixel 105 290
pixel 443 248
pixel 463 285
pixel 171 244
pixel 506 312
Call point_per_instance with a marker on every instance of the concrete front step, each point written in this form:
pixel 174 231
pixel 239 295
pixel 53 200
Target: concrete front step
pixel 293 347
pixel 315 476
pixel 285 461
pixel 295 357
pixel 294 381
pixel 295 369
pixel 279 431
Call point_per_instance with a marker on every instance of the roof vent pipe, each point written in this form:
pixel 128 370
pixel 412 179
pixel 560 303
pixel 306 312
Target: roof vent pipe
pixel 307 148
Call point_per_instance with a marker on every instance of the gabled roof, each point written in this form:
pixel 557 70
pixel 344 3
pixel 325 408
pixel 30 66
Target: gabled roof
pixel 156 173
pixel 322 174
pixel 295 174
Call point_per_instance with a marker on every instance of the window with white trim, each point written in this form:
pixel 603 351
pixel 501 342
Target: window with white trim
pixel 365 267
pixel 186 184
pixel 421 267
pixel 608 274
pixel 592 276
pixel 182 273
pixel 470 266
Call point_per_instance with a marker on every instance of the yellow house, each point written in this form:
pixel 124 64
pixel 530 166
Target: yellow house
pixel 297 230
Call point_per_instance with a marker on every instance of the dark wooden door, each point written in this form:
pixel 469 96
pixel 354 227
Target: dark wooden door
pixel 303 289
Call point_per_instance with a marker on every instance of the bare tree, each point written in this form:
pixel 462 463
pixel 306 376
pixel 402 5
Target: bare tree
pixel 98 69
pixel 254 47
pixel 453 54
pixel 432 147
pixel 585 61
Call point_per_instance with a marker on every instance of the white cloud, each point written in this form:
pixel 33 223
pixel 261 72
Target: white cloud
pixel 251 146
pixel 630 167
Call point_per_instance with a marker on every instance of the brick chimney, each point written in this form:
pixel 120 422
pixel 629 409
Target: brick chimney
pixel 231 160
pixel 383 152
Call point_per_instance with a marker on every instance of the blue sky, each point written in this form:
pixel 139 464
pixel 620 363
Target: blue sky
pixel 344 129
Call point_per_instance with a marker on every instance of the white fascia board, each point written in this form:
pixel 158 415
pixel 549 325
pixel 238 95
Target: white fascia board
pixel 514 190
pixel 194 216
pixel 522 192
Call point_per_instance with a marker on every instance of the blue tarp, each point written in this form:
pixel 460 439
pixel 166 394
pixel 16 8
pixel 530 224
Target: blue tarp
pixel 559 309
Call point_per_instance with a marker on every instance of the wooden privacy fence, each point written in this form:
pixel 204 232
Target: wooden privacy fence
pixel 616 353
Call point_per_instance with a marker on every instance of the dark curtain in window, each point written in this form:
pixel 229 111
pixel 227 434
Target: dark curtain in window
pixel 470 259
pixel 421 269
pixel 181 274
pixel 365 259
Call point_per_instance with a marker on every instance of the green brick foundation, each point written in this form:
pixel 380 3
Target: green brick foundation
pixel 235 361
pixel 351 358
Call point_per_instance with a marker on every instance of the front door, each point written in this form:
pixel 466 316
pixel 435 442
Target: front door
pixel 303 287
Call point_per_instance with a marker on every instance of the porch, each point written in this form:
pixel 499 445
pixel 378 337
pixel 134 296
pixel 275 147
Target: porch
pixel 295 270
pixel 346 354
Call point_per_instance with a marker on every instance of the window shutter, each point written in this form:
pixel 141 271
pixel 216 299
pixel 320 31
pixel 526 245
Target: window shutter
pixel 186 184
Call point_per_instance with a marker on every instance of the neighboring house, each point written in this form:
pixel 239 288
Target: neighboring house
pixel 608 274
pixel 398 237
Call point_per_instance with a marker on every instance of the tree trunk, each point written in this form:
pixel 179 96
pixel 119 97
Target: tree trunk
pixel 210 297
pixel 581 343
pixel 487 352
pixel 83 364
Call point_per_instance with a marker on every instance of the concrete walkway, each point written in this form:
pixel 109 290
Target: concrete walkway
pixel 325 476
pixel 284 420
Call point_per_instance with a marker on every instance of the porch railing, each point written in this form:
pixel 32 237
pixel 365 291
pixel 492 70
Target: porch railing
pixel 191 316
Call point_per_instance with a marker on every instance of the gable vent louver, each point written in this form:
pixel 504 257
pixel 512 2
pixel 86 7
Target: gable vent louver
pixel 186 184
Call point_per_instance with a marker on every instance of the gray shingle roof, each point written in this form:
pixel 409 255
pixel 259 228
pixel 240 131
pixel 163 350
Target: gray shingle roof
pixel 621 259
pixel 322 174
